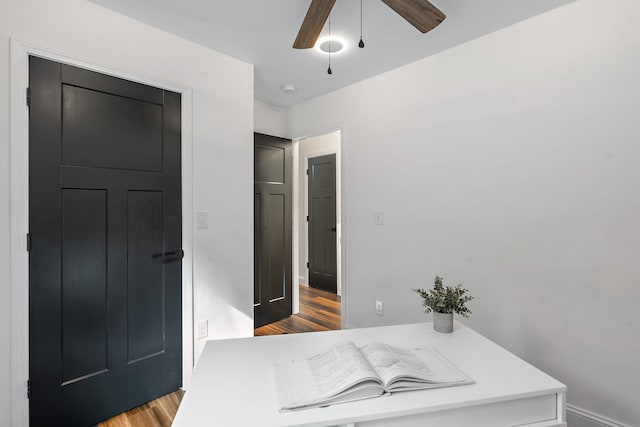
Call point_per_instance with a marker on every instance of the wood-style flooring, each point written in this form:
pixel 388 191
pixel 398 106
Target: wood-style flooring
pixel 157 413
pixel 319 311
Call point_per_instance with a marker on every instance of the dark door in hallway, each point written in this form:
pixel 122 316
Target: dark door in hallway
pixel 322 223
pixel 272 229
pixel 105 262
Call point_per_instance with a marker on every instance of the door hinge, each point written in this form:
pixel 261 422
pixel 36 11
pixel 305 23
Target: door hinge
pixel 29 388
pixel 28 97
pixel 307 171
pixel 28 242
pixel 307 264
pixel 307 218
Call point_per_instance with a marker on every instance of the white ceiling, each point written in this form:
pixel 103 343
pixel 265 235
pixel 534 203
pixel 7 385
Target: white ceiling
pixel 261 32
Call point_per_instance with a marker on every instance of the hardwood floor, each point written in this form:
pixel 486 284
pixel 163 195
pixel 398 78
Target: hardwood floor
pixel 157 413
pixel 319 311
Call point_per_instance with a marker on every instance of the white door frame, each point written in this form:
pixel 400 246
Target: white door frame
pixel 19 210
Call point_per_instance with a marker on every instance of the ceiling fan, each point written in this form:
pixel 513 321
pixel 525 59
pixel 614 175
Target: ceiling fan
pixel 419 13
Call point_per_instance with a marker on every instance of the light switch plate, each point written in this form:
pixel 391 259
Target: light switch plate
pixel 377 218
pixel 202 220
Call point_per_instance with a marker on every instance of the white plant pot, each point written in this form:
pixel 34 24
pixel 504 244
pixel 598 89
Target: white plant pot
pixel 443 322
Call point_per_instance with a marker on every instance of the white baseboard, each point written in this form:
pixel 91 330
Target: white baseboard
pixel 578 417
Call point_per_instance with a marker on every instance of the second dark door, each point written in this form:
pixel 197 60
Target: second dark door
pixel 322 223
pixel 272 229
pixel 105 317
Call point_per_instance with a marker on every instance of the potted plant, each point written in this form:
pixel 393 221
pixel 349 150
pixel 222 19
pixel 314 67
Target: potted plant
pixel 444 301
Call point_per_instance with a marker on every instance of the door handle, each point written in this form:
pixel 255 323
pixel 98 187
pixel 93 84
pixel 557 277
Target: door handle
pixel 178 254
pixel 333 229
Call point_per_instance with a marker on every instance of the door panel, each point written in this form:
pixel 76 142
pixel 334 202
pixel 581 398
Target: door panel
pixel 145 289
pixel 104 198
pixel 110 131
pixel 271 161
pixel 322 223
pixel 257 249
pixel 272 229
pixel 84 284
pixel 277 247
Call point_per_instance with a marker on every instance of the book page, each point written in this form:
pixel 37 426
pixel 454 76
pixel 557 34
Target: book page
pixel 408 368
pixel 323 376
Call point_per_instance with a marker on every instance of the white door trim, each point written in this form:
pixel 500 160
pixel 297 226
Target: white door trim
pixel 19 210
pixel 295 223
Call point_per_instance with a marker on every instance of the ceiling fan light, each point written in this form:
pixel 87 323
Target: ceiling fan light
pixel 338 45
pixel 331 46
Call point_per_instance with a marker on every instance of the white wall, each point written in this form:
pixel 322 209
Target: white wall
pixel 508 164
pixel 270 119
pixel 310 147
pixel 222 132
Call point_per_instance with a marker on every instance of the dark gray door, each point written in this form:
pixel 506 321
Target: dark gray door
pixel 322 223
pixel 105 225
pixel 272 229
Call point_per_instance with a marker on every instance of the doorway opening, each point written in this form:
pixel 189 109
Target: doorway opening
pixel 316 251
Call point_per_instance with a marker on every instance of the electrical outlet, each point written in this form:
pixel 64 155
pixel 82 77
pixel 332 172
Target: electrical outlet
pixel 379 309
pixel 203 329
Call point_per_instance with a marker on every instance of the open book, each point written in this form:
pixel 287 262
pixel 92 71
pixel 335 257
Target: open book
pixel 345 373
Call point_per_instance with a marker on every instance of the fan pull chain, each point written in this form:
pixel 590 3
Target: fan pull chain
pixel 361 44
pixel 329 71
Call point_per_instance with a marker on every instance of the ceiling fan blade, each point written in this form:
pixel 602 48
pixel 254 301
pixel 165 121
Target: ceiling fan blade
pixel 419 13
pixel 313 23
